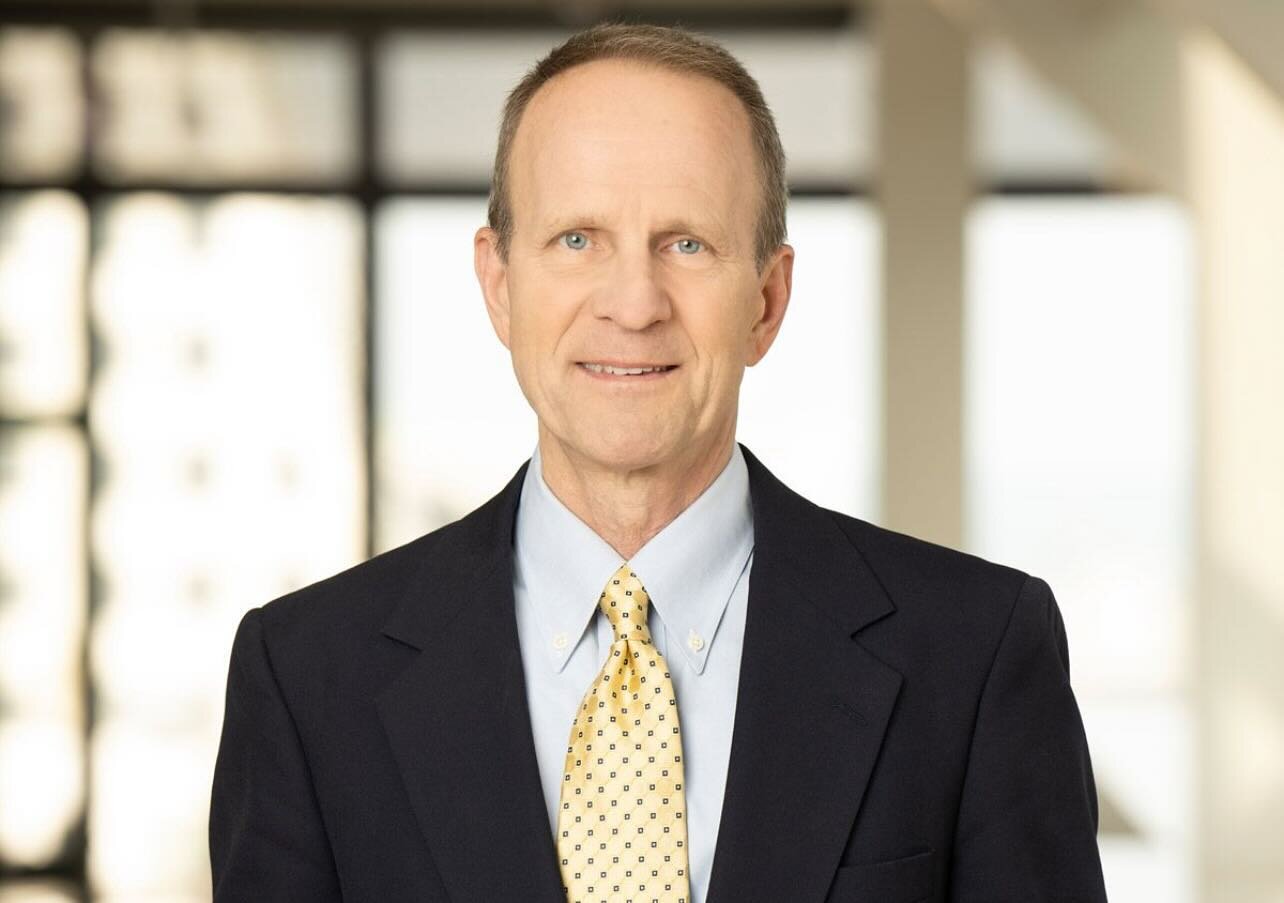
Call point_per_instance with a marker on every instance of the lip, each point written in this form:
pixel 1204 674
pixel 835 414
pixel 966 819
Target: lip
pixel 626 365
pixel 625 378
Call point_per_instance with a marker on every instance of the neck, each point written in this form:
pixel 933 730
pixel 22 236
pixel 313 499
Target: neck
pixel 626 507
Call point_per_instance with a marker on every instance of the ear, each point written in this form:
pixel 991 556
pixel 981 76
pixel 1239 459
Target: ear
pixel 492 276
pixel 774 287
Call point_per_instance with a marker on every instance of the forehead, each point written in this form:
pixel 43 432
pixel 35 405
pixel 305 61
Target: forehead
pixel 619 135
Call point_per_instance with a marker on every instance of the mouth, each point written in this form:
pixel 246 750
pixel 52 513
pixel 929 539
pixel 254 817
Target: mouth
pixel 634 372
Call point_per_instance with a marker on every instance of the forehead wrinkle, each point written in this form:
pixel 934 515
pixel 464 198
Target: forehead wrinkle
pixel 691 211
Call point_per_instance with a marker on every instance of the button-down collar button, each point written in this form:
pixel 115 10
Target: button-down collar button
pixel 559 641
pixel 695 641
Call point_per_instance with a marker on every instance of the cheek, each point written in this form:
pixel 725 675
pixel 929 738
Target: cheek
pixel 540 331
pixel 540 314
pixel 720 331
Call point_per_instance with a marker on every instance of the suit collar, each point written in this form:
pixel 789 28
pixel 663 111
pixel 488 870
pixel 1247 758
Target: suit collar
pixel 784 522
pixel 812 704
pixel 469 557
pixel 804 543
pixel 457 719
pixel 812 707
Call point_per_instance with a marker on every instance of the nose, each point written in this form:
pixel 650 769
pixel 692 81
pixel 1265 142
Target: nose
pixel 632 294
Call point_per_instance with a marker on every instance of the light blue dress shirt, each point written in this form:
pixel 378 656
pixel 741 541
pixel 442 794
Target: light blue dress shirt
pixel 696 572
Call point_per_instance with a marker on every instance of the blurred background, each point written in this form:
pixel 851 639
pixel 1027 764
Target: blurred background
pixel 1038 315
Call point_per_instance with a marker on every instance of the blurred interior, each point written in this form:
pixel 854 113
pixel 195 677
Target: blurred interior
pixel 1038 315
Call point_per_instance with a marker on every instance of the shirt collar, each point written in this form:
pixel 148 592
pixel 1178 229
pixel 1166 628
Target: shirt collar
pixel 689 568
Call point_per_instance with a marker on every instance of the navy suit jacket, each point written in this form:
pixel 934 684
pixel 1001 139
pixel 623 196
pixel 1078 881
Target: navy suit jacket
pixel 905 729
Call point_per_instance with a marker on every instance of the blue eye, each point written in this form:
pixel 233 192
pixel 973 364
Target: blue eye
pixel 574 240
pixel 685 245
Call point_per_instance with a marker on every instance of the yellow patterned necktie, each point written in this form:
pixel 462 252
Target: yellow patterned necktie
pixel 622 826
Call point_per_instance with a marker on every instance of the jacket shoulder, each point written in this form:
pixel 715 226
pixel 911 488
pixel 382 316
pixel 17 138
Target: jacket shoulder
pixel 362 596
pixel 324 620
pixel 934 579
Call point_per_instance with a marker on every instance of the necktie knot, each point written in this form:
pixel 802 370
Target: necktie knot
pixel 625 603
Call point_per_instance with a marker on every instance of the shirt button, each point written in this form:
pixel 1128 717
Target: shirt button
pixel 559 641
pixel 695 641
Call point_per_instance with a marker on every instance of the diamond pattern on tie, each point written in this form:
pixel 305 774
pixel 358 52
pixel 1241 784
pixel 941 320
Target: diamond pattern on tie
pixel 621 827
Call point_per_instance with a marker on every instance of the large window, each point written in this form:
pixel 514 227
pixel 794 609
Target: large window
pixel 243 348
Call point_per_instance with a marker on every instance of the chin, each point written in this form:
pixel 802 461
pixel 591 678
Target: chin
pixel 624 452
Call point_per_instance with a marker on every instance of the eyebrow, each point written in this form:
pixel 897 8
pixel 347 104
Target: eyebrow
pixel 591 221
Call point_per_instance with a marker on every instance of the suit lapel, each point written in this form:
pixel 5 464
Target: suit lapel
pixel 458 720
pixel 812 704
pixel 812 707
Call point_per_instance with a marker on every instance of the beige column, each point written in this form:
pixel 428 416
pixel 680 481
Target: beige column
pixel 1235 143
pixel 923 188
pixel 1252 29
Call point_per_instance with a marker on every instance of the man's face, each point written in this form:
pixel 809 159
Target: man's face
pixel 635 199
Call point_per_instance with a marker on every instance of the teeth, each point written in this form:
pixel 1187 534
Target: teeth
pixel 620 371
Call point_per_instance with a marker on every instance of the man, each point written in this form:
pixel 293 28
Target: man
pixel 647 669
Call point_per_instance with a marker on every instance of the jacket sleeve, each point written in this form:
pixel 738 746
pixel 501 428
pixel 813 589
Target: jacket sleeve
pixel 266 837
pixel 1027 820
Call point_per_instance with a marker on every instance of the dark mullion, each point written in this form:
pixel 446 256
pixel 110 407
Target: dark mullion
pixel 378 190
pixel 93 186
pixel 369 195
pixel 76 420
pixel 70 864
pixel 1059 188
pixel 78 843
pixel 61 872
pixel 356 17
